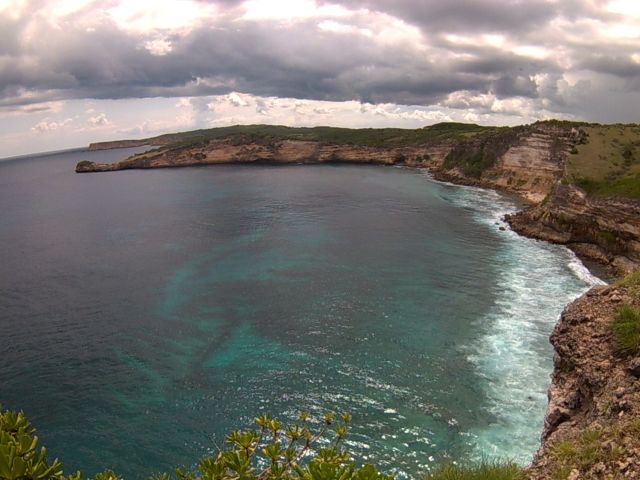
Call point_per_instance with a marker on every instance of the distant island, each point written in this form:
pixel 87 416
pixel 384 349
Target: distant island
pixel 582 180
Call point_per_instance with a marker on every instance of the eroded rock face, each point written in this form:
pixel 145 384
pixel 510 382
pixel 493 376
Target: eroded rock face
pixel 528 161
pixel 235 150
pixel 605 230
pixel 592 389
pixel 533 165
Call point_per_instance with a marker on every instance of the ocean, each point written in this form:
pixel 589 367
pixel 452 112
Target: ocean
pixel 145 314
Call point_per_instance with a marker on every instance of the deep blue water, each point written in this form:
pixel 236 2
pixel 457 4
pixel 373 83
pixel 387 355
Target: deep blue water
pixel 144 314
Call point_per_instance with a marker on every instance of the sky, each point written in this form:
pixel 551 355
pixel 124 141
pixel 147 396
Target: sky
pixel 77 71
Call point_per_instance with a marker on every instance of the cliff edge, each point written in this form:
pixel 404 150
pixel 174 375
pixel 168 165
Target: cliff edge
pixel 592 424
pixel 602 229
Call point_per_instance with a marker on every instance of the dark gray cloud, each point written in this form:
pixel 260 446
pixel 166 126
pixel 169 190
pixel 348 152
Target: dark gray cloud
pixel 466 15
pixel 300 60
pixel 622 66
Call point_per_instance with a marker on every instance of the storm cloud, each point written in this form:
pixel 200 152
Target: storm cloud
pixel 544 57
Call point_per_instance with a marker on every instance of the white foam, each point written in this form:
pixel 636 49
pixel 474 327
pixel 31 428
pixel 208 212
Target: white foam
pixel 582 272
pixel 512 352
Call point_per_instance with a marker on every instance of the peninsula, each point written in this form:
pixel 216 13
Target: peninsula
pixel 581 181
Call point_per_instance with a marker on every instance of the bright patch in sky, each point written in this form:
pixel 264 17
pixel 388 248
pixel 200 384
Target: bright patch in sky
pixel 148 15
pixel 290 10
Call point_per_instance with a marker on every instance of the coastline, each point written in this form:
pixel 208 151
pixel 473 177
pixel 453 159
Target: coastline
pixel 516 329
pixel 582 265
pixel 529 162
pixel 593 392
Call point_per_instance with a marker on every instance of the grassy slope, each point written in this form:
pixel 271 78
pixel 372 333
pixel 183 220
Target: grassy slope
pixel 609 162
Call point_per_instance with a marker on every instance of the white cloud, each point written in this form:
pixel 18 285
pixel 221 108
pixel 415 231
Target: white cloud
pixel 290 10
pixel 48 126
pixel 159 46
pixel 236 99
pixel 168 15
pixel 99 120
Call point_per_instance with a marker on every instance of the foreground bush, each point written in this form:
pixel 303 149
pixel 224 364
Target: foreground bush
pixel 484 471
pixel 20 456
pixel 271 451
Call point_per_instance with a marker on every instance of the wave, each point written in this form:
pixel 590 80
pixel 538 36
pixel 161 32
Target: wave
pixel 512 353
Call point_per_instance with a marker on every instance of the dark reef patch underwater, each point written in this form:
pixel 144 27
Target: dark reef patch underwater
pixel 147 313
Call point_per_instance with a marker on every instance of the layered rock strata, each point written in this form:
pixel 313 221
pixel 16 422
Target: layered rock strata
pixel 606 230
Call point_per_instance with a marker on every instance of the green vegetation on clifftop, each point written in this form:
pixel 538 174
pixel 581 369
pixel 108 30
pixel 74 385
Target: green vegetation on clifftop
pixel 607 162
pixel 373 137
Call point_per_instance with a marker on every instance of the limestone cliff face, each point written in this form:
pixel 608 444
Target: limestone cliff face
pixel 527 161
pixel 592 426
pixel 605 230
pixel 533 165
pixel 237 150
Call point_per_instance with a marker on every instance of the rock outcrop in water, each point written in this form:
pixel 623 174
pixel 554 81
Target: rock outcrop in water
pixel 592 425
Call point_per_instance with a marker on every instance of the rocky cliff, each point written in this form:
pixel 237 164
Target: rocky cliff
pixel 525 160
pixel 242 150
pixel 606 230
pixel 592 425
pixel 528 161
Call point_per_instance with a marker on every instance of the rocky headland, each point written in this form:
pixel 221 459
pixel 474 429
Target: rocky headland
pixel 605 230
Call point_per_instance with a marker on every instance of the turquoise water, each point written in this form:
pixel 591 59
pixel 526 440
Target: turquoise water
pixel 150 312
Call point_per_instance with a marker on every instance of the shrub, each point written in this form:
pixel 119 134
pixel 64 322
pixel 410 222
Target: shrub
pixel 20 456
pixel 270 452
pixel 484 471
pixel 626 331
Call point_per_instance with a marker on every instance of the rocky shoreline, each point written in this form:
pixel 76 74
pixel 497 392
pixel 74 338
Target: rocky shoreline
pixel 592 424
